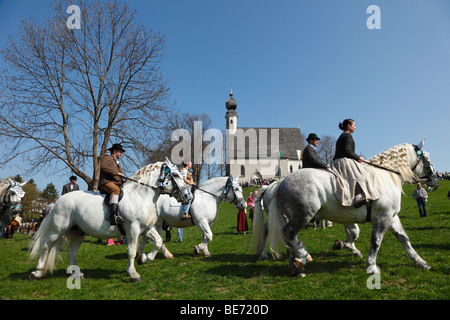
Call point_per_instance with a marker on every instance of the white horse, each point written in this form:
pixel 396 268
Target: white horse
pixel 11 194
pixel 204 210
pixel 291 203
pixel 86 210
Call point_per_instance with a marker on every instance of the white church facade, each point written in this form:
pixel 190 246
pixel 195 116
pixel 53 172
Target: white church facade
pixel 260 152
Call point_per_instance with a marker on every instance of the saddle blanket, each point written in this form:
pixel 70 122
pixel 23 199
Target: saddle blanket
pixel 347 174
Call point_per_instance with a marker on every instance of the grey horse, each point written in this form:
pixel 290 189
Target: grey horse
pixel 307 193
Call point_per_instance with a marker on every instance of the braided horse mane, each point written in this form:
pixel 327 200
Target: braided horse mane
pixel 3 189
pixel 396 158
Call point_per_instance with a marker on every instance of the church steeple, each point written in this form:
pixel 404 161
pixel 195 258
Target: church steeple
pixel 231 104
pixel 231 114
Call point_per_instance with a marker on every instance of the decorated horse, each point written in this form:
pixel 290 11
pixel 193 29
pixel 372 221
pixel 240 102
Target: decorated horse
pixel 307 193
pixel 204 210
pixel 11 194
pixel 83 212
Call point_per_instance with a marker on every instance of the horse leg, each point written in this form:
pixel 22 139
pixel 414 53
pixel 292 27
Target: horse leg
pixel 132 239
pixel 379 228
pixel 156 236
pixel 352 232
pixel 397 229
pixel 207 237
pixel 76 239
pixel 298 256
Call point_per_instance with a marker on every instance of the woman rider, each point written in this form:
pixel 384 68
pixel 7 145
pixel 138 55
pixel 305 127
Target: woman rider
pixel 352 170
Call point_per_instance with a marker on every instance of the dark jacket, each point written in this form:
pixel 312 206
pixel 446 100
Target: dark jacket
pixel 310 158
pixel 109 169
pixel 67 189
pixel 345 147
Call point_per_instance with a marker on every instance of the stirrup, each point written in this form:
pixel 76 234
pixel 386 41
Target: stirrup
pixel 118 219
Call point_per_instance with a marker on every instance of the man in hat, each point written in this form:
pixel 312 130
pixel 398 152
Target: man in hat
pixel 71 186
pixel 110 181
pixel 310 159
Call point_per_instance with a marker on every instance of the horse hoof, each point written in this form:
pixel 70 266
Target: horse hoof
pixel 208 255
pixel 32 277
pixel 138 279
pixel 338 245
pixel 299 265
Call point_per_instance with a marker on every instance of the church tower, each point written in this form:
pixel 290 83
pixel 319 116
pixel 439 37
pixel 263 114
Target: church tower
pixel 231 114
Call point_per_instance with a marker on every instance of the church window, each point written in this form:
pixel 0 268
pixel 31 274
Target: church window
pixel 243 171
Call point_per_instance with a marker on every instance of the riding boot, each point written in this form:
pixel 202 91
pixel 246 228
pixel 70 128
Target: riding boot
pixel 359 201
pixel 360 198
pixel 114 216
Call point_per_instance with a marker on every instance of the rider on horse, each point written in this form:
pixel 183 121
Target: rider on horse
pixel 110 181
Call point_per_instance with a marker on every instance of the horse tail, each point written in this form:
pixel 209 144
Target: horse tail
pixel 276 222
pixel 258 223
pixel 38 245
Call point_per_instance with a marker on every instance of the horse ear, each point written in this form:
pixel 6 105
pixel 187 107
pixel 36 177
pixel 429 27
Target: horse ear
pixel 421 143
pixel 231 177
pixel 168 162
pixel 23 183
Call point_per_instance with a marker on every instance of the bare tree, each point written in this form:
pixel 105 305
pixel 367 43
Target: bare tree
pixel 327 148
pixel 196 125
pixel 68 94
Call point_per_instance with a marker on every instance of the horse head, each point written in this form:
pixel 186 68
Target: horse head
pixel 171 182
pixel 14 194
pixel 424 169
pixel 233 193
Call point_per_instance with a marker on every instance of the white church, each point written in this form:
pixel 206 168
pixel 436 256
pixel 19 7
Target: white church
pixel 260 152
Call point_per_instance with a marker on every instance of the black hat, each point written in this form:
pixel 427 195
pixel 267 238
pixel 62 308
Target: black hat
pixel 312 136
pixel 116 146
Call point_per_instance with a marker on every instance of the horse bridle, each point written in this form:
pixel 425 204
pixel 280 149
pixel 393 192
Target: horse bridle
pixel 228 187
pixel 178 193
pixel 427 168
pixel 6 201
pixel 223 195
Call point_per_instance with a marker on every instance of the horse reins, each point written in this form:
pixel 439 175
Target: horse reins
pixel 380 167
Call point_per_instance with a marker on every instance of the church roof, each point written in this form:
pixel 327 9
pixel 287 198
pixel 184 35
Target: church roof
pixel 290 140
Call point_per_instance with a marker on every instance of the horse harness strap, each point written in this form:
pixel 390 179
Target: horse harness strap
pixel 369 211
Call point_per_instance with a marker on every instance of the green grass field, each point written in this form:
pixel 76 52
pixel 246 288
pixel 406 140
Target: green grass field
pixel 233 272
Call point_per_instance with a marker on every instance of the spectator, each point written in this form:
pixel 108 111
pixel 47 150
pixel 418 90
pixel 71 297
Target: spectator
pixel 421 196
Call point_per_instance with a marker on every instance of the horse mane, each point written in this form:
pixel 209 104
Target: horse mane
pixel 146 173
pixel 396 158
pixel 4 187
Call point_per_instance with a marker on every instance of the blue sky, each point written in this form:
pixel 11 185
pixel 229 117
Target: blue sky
pixel 307 63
